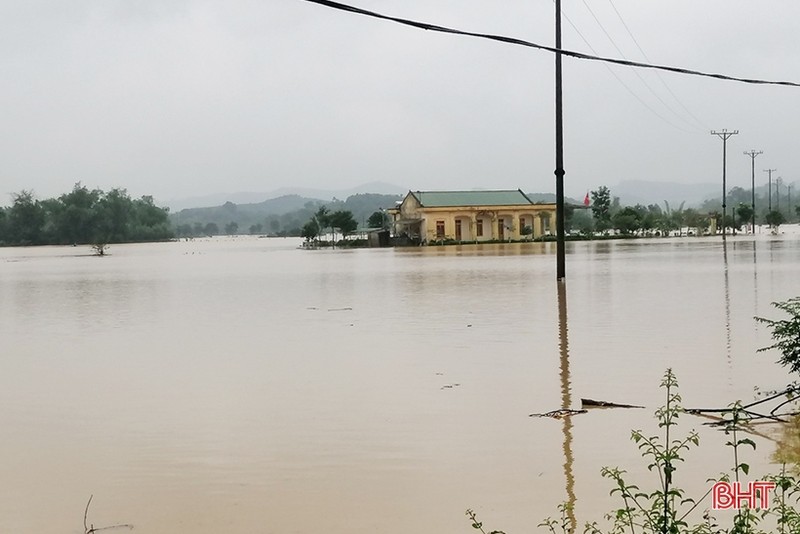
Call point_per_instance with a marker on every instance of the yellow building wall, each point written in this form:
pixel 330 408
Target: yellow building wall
pixel 469 216
pixel 410 209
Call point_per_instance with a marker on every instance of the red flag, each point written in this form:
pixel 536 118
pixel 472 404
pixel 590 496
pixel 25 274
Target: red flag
pixel 586 199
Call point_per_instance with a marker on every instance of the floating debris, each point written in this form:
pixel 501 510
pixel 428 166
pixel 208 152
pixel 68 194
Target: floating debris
pixel 340 309
pixel 589 403
pixel 558 414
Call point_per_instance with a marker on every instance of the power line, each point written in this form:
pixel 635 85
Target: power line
pixel 658 74
pixel 636 72
pixel 724 135
pixel 770 171
pixel 753 155
pixel 620 80
pixel 529 44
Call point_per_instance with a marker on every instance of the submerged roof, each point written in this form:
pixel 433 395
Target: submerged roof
pixel 446 199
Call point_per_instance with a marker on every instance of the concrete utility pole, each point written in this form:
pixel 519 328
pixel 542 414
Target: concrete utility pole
pixel 753 155
pixel 769 204
pixel 560 254
pixel 778 182
pixel 724 135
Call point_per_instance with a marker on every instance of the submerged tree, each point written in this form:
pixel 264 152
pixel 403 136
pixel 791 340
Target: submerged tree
pixel 344 222
pixel 322 218
pixel 627 220
pixel 83 216
pixel 310 230
pixel 26 220
pixel 744 212
pixel 775 218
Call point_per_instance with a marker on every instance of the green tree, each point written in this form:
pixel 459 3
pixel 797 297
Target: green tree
pixel 744 212
pixel 274 224
pixel 601 208
pixel 310 230
pixel 582 222
pixel 674 219
pixel 343 221
pixel 3 225
pixel 149 222
pixel 651 217
pixel 77 219
pixel 211 229
pixel 775 219
pixel 627 220
pixel 26 219
pixel 323 219
pixel 232 228
pixel 184 230
pixel 378 219
pixel 115 213
pixel 694 219
pixel 256 228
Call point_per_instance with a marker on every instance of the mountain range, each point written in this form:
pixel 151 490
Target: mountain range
pixel 218 199
pixel 288 198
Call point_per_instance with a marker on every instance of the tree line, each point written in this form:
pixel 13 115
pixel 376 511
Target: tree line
pixel 607 214
pixel 325 222
pixel 82 216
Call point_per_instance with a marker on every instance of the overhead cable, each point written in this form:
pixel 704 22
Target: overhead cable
pixel 529 44
pixel 621 81
pixel 658 74
pixel 635 71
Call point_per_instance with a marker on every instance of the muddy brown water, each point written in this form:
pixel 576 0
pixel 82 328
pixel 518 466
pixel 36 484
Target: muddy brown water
pixel 241 385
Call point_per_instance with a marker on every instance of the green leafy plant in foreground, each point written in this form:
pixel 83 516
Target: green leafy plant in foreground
pixel 666 509
pixel 563 524
pixel 659 510
pixel 477 525
pixel 786 334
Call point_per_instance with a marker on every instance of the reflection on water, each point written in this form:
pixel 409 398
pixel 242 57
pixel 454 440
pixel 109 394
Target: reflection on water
pixel 566 402
pixel 728 345
pixel 242 385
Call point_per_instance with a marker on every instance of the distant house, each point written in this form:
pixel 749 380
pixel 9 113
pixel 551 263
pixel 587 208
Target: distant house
pixel 459 216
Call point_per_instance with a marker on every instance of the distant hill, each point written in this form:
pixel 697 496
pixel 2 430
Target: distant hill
pixel 380 188
pixel 642 192
pixel 250 197
pixel 551 198
pixel 272 206
pixel 285 214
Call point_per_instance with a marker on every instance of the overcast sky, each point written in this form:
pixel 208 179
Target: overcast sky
pixel 182 98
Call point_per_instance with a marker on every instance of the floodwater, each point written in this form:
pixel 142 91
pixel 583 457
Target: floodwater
pixel 241 385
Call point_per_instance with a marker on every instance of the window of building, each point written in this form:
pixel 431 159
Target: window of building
pixel 479 228
pixel 439 229
pixel 546 222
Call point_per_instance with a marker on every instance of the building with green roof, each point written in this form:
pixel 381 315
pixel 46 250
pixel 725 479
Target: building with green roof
pixel 471 216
